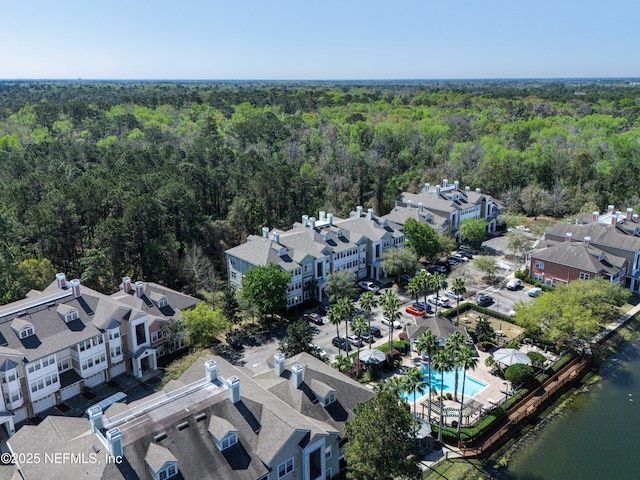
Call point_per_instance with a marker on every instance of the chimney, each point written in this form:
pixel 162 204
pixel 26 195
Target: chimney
pixel 634 217
pixel 587 242
pixel 629 213
pixel 75 286
pixel 139 289
pixel 456 185
pixel 276 237
pixel 114 438
pixel 478 191
pixel 409 204
pixel 610 209
pixel 297 375
pixel 420 206
pixel 323 216
pixel 330 218
pixel 312 222
pixel 95 416
pixel 305 220
pixel 370 213
pixel 265 232
pixel 278 360
pixel 427 187
pixel 466 189
pixel 126 284
pixel 359 211
pixel 567 236
pixel 61 278
pixel 233 384
pixel 445 182
pixel 594 216
pixel 437 189
pixel 614 220
pixel 211 369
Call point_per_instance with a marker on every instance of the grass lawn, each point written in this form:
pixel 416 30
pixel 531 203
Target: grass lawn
pixel 458 469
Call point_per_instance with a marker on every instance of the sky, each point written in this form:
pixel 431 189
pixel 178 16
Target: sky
pixel 319 40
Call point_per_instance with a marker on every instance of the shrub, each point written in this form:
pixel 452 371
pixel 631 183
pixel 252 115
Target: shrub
pixel 519 374
pixel 537 359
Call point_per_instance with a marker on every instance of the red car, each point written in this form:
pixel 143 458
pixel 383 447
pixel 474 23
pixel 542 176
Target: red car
pixel 415 311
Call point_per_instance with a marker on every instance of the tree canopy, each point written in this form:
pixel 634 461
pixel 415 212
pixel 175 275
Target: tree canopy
pixel 382 443
pixel 473 230
pixel 266 287
pixel 423 239
pixel 202 325
pixel 298 339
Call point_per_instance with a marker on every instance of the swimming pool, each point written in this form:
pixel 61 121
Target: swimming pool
pixel 471 385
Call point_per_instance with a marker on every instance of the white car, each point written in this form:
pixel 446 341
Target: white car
pixel 372 287
pixel 452 295
pixel 440 301
pixel 532 292
pixel 512 313
pixel 503 266
pixel 386 321
pixel 459 257
pixel 319 350
pixel 523 228
pixel 514 284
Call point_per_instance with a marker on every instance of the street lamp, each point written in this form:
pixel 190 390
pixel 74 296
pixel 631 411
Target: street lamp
pixel 506 394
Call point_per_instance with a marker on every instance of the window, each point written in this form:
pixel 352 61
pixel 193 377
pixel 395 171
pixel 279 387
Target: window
pixel 163 302
pixel 9 376
pixel 13 396
pixel 584 276
pixel 42 382
pixel 113 334
pixel 155 336
pixel 168 472
pixel 330 398
pixel 69 317
pixel 327 452
pixel 229 440
pixel 539 265
pixel 64 365
pixel 328 474
pixel 538 276
pixel 27 332
pixel 285 468
pixel 116 351
pixel 549 282
pixel 141 334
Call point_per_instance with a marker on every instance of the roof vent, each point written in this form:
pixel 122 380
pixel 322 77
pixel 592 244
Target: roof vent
pixel 160 437
pixel 200 417
pixel 182 426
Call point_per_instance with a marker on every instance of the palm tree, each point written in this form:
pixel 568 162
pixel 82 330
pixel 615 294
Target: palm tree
pixel 391 309
pixel 437 282
pixel 442 362
pixel 422 278
pixel 464 360
pixel 369 301
pixel 428 343
pixel 395 384
pixel 458 287
pixel 335 318
pixel 414 288
pixel 416 382
pixel 346 308
pixel 452 346
pixel 359 326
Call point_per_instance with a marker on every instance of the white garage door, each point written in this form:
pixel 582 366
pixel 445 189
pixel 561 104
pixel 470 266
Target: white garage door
pixel 118 369
pixel 19 415
pixel 94 380
pixel 70 391
pixel 43 404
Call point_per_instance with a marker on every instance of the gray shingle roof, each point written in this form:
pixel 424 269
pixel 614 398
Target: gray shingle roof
pixel 577 255
pixel 157 456
pixel 601 235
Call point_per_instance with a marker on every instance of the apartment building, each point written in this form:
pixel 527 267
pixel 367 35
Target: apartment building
pixel 610 242
pixel 444 207
pixel 316 247
pixel 217 421
pixel 55 342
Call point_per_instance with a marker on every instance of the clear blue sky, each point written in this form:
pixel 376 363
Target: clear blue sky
pixel 327 39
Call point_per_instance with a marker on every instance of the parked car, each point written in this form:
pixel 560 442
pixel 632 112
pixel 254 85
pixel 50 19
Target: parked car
pixel 514 284
pixel 422 306
pixel 484 300
pixel 466 249
pixel 460 257
pixel 376 332
pixel 418 312
pixel 365 285
pixel 341 343
pixel 314 318
pixel 386 321
pixel 503 266
pixel 452 295
pixel 323 308
pixel 440 268
pixel 532 292
pixel 523 228
pixel 452 263
pixel 512 313
pixel 366 337
pixel 440 301
pixel 234 342
pixel 354 340
pixel 319 350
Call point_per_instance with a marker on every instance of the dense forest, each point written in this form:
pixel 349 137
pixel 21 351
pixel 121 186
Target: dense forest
pixel 156 180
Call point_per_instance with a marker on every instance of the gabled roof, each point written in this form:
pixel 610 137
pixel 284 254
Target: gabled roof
pixel 219 427
pixel 577 255
pixel 601 235
pixel 158 456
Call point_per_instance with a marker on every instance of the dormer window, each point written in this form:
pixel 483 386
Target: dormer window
pixel 71 316
pixel 163 302
pixel 170 471
pixel 162 463
pixel 229 440
pixel 27 332
pixel 160 300
pixel 224 435
pixel 67 313
pixel 330 398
